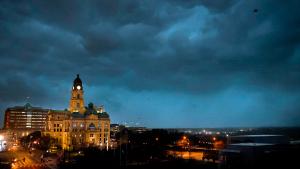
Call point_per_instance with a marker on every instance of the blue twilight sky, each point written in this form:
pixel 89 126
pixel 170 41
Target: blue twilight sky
pixel 172 63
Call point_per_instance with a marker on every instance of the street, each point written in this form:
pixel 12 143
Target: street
pixel 22 159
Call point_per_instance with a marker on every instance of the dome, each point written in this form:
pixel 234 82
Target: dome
pixel 90 109
pixel 103 115
pixel 77 82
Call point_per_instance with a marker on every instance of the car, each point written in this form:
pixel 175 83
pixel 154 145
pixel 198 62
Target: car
pixel 13 160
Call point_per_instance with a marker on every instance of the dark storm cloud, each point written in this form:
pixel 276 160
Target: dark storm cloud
pixel 21 89
pixel 197 48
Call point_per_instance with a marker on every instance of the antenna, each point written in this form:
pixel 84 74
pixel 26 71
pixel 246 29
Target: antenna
pixel 27 99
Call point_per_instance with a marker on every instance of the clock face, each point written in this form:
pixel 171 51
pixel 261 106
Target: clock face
pixel 73 87
pixel 78 87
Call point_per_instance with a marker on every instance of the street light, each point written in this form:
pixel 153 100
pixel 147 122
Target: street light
pixel 227 139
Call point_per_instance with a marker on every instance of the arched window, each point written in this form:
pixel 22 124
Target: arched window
pixel 92 126
pixel 78 96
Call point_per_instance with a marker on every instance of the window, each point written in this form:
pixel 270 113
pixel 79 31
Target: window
pixel 78 96
pixel 92 126
pixel 54 125
pixel 91 135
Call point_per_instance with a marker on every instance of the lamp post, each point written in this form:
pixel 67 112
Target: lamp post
pixel 68 153
pixel 106 145
pixel 228 139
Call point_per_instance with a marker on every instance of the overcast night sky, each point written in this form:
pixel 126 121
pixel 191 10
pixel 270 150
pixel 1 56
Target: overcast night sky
pixel 172 63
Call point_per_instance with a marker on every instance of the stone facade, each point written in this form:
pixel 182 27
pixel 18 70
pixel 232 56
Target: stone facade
pixel 79 126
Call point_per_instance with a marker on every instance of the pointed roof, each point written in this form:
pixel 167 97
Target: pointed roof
pixel 77 81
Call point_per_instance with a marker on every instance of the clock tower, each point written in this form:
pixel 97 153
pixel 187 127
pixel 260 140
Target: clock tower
pixel 77 102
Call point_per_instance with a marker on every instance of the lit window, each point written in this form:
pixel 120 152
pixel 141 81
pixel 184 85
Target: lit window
pixel 92 126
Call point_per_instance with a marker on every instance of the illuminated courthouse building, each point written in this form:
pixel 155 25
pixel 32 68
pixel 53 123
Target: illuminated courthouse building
pixel 79 126
pixel 22 120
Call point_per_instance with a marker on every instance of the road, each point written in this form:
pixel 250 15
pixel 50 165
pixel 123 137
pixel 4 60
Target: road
pixel 26 160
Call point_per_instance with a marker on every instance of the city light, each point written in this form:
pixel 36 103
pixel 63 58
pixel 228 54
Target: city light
pixel 174 84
